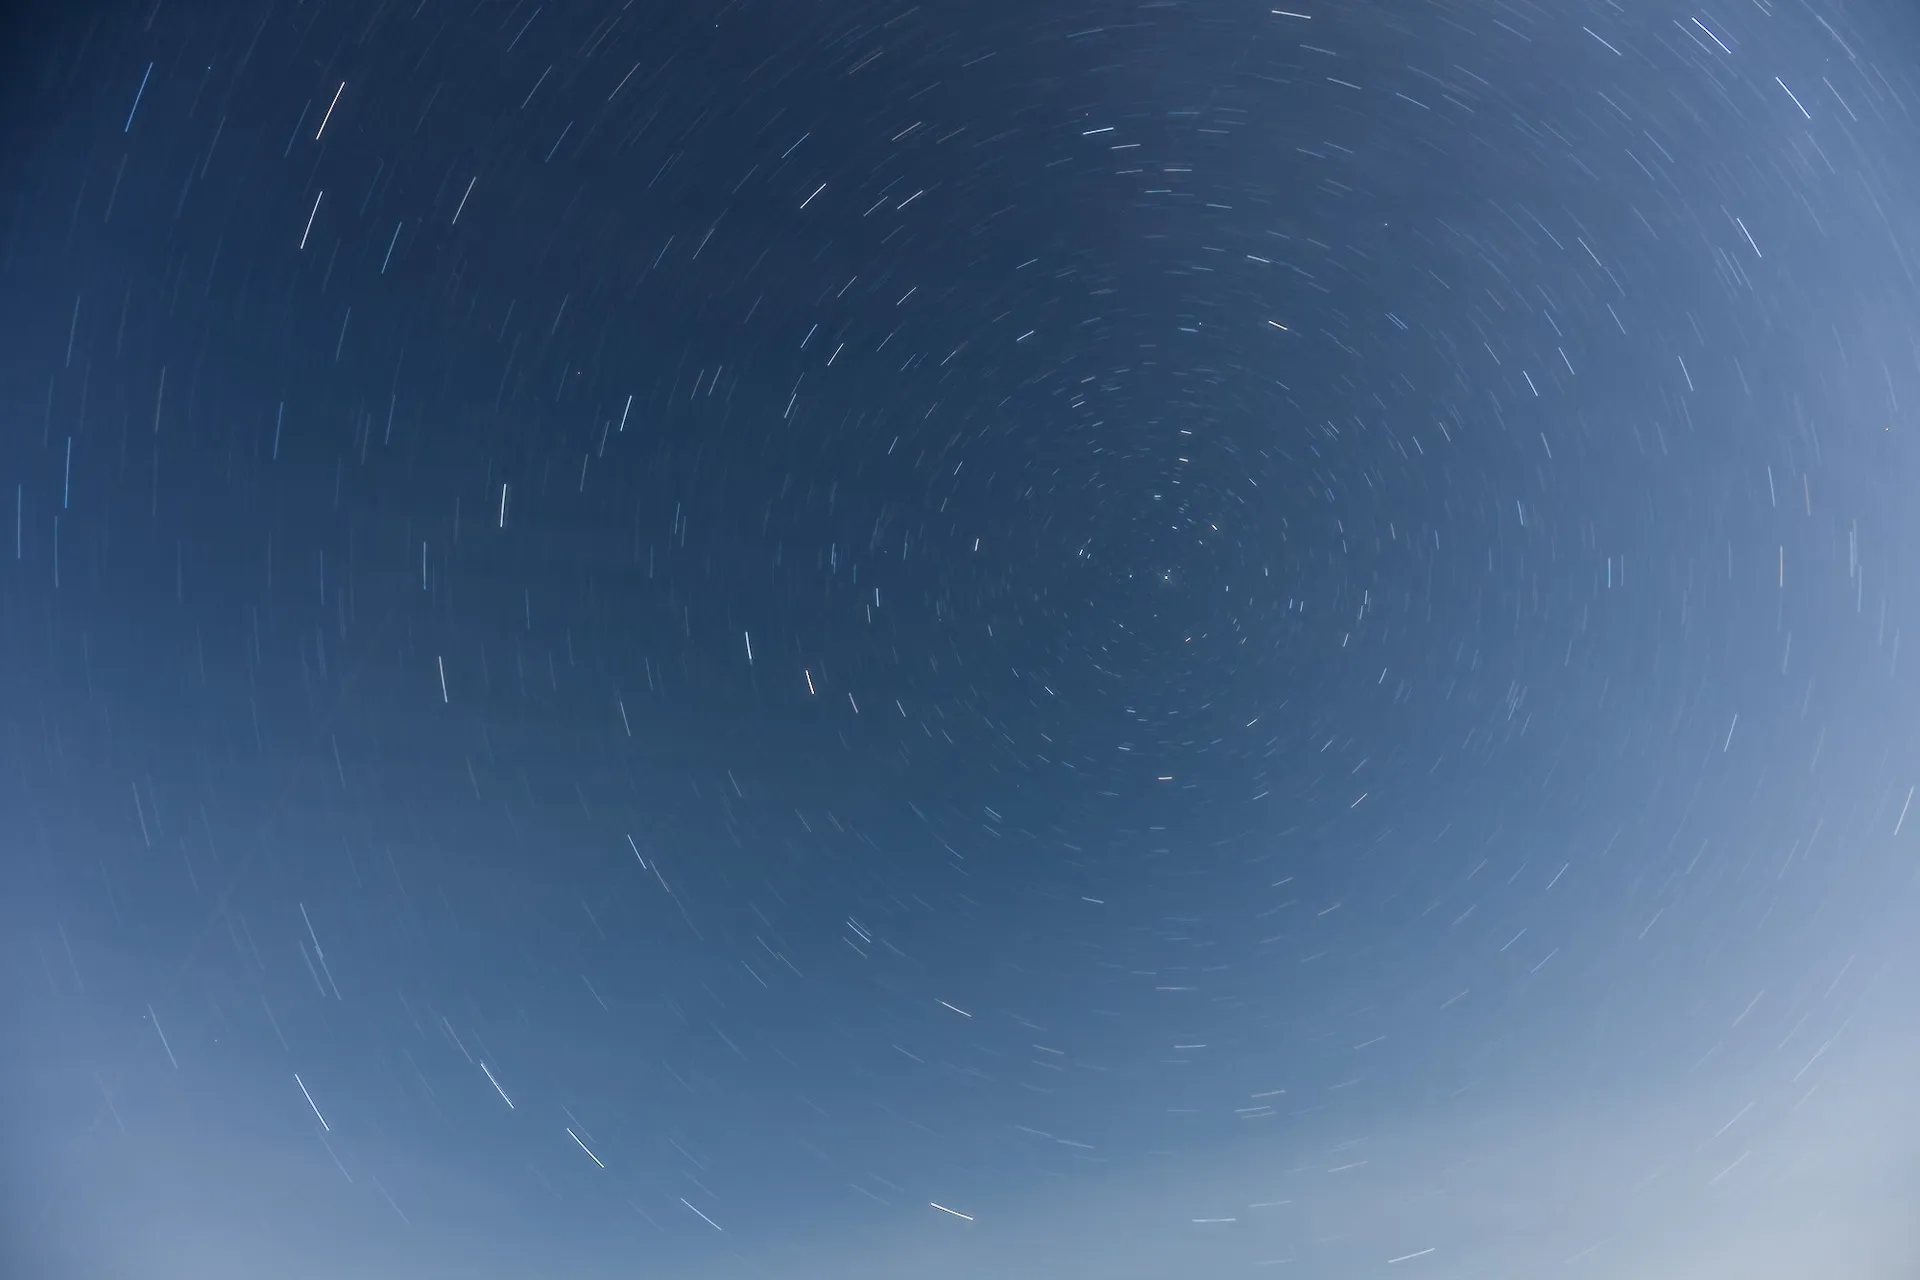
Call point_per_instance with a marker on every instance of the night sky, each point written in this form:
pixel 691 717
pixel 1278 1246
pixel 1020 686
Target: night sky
pixel 1054 639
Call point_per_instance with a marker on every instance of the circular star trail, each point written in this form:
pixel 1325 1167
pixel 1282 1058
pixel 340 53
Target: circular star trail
pixel 749 640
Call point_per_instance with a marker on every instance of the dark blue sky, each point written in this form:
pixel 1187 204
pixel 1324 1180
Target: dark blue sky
pixel 788 640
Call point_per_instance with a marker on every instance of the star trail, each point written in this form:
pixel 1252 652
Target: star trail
pixel 1167 639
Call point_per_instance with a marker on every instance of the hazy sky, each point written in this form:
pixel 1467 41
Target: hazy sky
pixel 791 640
